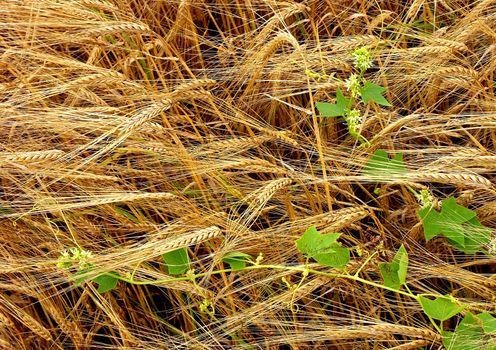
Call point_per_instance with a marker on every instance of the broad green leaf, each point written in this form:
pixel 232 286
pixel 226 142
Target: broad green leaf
pixel 337 109
pixel 177 261
pixel 401 261
pixel 381 168
pixel 80 276
pixel 323 248
pixel 313 243
pixel 337 256
pixel 236 260
pixel 431 222
pixel 469 334
pixel 372 92
pixel 394 273
pixel 476 236
pixel 447 222
pixel 488 322
pixel 106 282
pixel 448 340
pixel 458 224
pixel 441 308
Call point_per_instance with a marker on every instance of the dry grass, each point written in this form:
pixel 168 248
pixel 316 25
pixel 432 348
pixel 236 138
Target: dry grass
pixel 132 126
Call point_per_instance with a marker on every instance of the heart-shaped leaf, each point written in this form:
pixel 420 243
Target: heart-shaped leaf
pixel 177 261
pixel 394 273
pixel 236 260
pixel 441 308
pixel 337 109
pixel 372 92
pixel 323 248
pixel 106 282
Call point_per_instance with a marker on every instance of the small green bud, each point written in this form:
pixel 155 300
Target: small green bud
pixel 359 251
pixel 311 74
pixel 259 258
pixel 354 120
pixel 191 274
pixel 207 307
pixel 75 256
pixel 285 281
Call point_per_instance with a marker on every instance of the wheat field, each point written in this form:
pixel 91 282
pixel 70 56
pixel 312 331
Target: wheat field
pixel 130 128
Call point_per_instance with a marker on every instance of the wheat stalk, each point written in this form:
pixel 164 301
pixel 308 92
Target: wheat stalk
pixel 5 321
pixel 127 27
pixel 352 42
pixel 68 327
pixel 459 179
pixel 32 156
pixel 457 71
pixel 455 45
pixel 266 192
pixel 186 240
pixel 27 320
pixel 67 203
pixel 100 4
pixel 428 50
pixel 346 218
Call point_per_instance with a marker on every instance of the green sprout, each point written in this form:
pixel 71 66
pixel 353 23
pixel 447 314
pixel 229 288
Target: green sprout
pixel 357 86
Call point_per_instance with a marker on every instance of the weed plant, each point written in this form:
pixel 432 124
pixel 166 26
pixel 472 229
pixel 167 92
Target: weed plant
pixel 248 174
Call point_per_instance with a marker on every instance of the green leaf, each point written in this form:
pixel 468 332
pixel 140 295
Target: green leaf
pixel 313 243
pixel 381 168
pixel 323 248
pixel 394 273
pixel 372 92
pixel 488 322
pixel 448 340
pixel 80 276
pixel 337 109
pixel 177 261
pixel 441 308
pixel 447 222
pixel 337 256
pixel 476 236
pixel 469 334
pixel 106 282
pixel 236 260
pixel 458 224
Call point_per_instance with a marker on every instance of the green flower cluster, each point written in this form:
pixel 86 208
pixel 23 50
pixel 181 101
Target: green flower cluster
pixel 360 90
pixel 425 198
pixel 75 256
pixel 362 59
pixel 354 120
pixel 353 85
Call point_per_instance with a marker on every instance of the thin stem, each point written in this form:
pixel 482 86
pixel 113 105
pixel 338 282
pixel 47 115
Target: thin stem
pixel 365 263
pixel 301 269
pixel 435 325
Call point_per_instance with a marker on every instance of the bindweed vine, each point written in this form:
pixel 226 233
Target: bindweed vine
pixel 357 87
